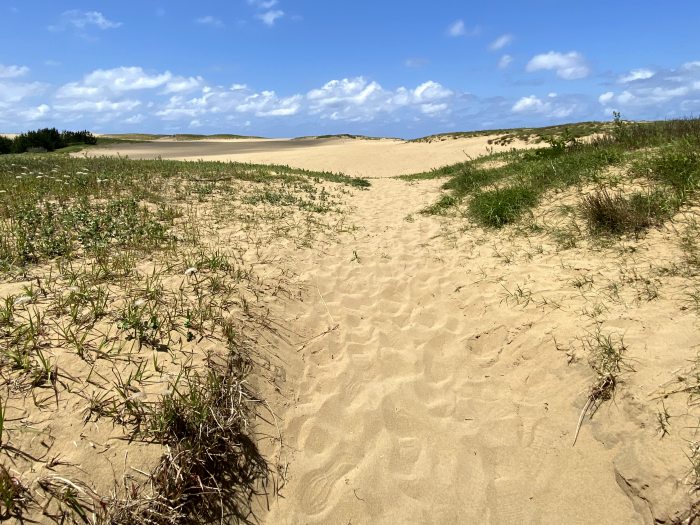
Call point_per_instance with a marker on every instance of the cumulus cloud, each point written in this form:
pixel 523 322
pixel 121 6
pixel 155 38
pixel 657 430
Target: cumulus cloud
pixel 569 66
pixel 118 80
pixel 359 100
pixel 77 19
pixel 209 20
pixel 668 92
pixel 36 113
pixel 501 42
pixel 550 107
pixel 13 71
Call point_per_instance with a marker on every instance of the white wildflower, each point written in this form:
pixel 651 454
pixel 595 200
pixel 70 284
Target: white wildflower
pixel 190 271
pixel 138 303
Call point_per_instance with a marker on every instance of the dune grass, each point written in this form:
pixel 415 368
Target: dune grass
pixel 135 312
pixel 664 154
pixel 508 135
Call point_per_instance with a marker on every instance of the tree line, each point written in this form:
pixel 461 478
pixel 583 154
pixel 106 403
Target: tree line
pixel 46 139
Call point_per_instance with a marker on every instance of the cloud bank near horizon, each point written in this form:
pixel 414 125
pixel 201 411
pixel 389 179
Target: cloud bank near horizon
pixel 132 98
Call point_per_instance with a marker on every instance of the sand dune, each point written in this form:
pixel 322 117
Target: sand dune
pixel 365 158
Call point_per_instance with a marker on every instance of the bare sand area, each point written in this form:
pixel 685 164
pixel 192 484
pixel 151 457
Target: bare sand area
pixel 444 371
pixel 358 157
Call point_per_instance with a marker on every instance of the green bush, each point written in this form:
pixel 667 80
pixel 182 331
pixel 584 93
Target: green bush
pixel 5 145
pixel 46 139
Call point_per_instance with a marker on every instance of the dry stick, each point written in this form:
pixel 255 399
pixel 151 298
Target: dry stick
pixel 580 419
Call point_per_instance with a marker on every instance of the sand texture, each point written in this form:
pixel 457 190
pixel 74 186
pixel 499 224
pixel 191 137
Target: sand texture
pixel 432 399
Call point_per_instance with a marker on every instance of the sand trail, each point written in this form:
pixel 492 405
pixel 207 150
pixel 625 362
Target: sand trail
pixel 416 407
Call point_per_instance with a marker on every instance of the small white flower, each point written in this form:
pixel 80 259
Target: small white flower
pixel 22 299
pixel 138 303
pixel 190 271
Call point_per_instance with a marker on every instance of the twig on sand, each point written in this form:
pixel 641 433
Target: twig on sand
pixel 328 330
pixel 580 419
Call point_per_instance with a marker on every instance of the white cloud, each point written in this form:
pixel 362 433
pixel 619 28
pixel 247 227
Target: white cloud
pixel 505 61
pixel 270 17
pixel 430 90
pixel 263 4
pixel 457 28
pixel 501 42
pixel 98 106
pixel 102 82
pixel 13 92
pixel 209 20
pixel 182 84
pixel 36 113
pixel 84 19
pixel 606 97
pixel 569 66
pixel 13 71
pixel 268 104
pixel 669 92
pixel 359 100
pixel 550 108
pixel 636 74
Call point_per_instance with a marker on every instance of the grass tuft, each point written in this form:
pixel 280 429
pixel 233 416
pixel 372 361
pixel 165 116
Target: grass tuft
pixel 499 207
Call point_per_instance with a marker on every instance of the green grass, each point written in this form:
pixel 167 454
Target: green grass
pixel 665 154
pixel 506 136
pixel 499 207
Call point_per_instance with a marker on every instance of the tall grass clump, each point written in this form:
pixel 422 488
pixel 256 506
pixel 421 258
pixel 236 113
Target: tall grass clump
pixel 213 467
pixel 614 213
pixel 499 207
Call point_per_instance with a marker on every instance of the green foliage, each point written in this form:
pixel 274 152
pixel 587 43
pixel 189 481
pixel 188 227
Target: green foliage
pixel 5 145
pixel 501 206
pixel 666 153
pixel 44 229
pixel 46 139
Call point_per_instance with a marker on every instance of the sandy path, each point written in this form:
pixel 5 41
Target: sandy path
pixel 359 157
pixel 417 408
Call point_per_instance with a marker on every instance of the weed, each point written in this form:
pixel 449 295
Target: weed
pixel 606 358
pixel 14 497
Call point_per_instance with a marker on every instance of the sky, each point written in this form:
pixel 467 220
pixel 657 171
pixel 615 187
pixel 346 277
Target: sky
pixel 282 68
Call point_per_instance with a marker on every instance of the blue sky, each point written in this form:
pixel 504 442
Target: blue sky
pixel 298 67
